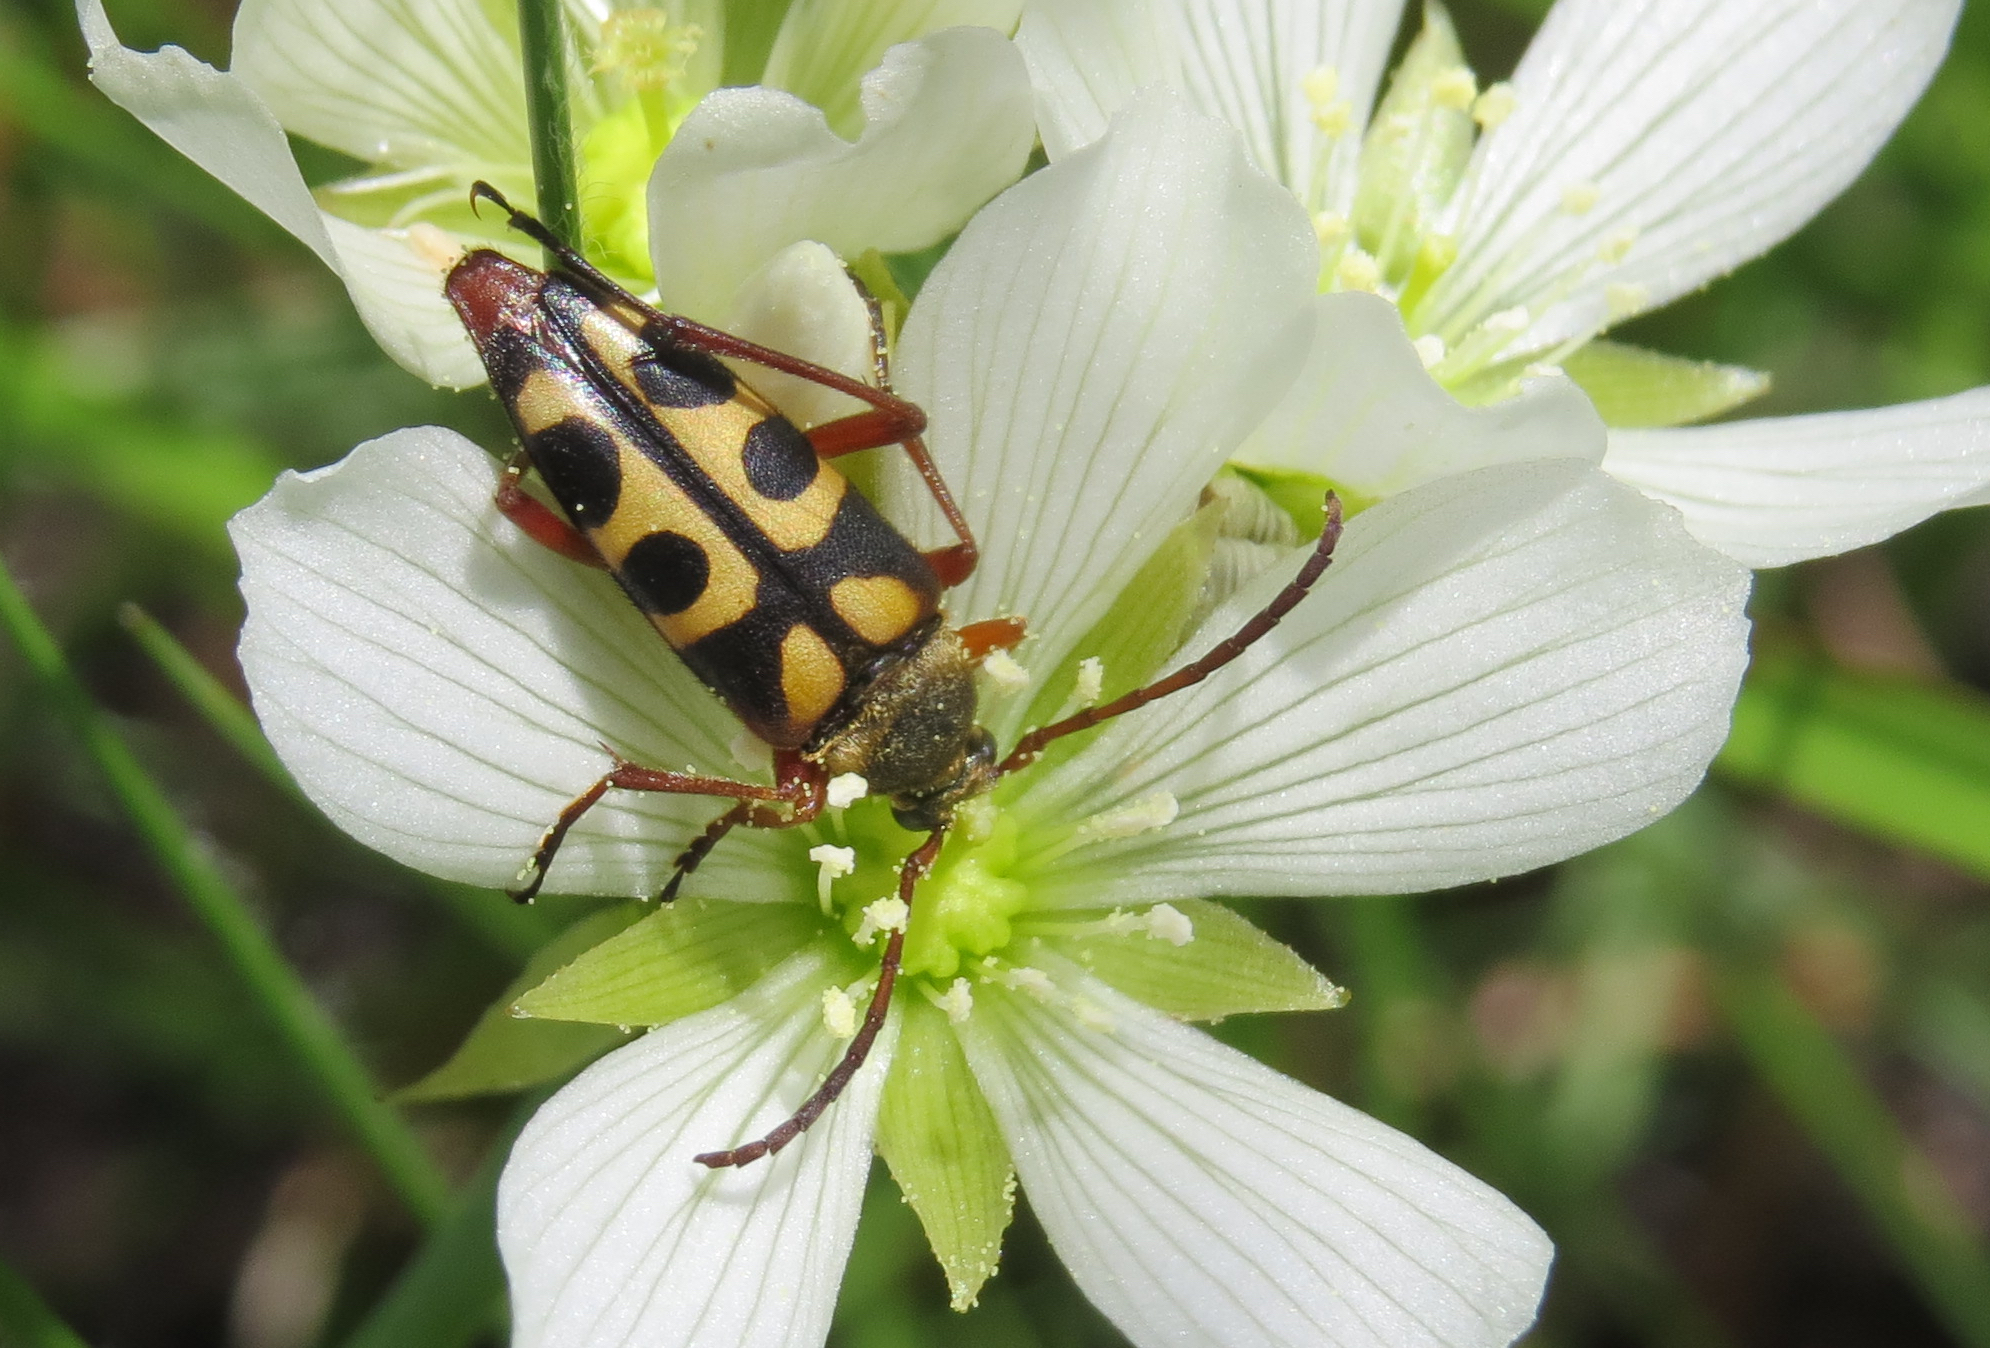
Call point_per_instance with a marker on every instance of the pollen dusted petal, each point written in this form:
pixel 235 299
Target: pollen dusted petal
pixel 811 676
pixel 880 608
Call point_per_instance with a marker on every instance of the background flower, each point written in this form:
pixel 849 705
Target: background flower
pixel 1639 151
pixel 430 98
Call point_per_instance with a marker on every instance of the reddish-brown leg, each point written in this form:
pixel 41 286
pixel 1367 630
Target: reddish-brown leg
pixel 802 793
pixel 1219 655
pixel 539 521
pixel 701 847
pixel 839 1076
pixel 992 634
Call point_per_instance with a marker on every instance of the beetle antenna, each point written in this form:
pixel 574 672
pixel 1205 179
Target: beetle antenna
pixel 535 229
pixel 833 1085
pixel 1217 656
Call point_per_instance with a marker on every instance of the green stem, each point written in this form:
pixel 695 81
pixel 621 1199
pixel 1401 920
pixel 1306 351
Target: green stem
pixel 299 1019
pixel 26 1320
pixel 542 41
pixel 216 705
pixel 1902 1191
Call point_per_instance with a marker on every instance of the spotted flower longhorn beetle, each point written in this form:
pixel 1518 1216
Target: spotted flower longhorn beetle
pixel 781 586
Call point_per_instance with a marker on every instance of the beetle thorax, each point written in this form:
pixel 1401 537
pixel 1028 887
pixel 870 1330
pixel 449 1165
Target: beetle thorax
pixel 913 737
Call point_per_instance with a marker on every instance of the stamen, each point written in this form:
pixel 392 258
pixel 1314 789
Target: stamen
pixel 1006 671
pixel 1331 229
pixel 1617 246
pixel 1093 1016
pixel 1624 298
pixel 1542 370
pixel 1020 978
pixel 1580 198
pixel 1356 270
pixel 1332 114
pixel 832 864
pixel 1091 681
pixel 1429 349
pixel 1456 88
pixel 433 246
pixel 887 914
pixel 957 1001
pixel 1494 106
pixel 750 751
pixel 1165 922
pixel 845 790
pixel 839 1013
pixel 1155 810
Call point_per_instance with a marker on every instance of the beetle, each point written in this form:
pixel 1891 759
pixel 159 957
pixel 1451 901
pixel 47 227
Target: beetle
pixel 778 583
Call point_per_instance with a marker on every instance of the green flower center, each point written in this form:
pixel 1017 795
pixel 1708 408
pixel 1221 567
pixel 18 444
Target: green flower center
pixel 962 911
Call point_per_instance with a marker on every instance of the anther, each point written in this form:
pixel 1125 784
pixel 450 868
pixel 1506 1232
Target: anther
pixel 1494 106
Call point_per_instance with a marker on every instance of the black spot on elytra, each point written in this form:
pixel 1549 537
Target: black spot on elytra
pixel 779 461
pixel 581 467
pixel 675 376
pixel 665 572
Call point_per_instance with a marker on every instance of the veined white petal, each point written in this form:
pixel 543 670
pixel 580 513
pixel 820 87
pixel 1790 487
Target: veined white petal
pixel 1500 669
pixel 1701 131
pixel 441 686
pixel 949 124
pixel 388 82
pixel 613 1237
pixel 802 303
pixel 1091 349
pixel 216 120
pixel 1199 1198
pixel 1778 490
pixel 825 46
pixel 1245 61
pixel 1366 414
pixel 398 293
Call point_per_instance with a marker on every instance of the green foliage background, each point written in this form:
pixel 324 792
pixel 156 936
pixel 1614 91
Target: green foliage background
pixel 1739 1065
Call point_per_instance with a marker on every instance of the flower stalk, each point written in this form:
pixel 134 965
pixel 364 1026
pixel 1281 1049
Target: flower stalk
pixel 543 46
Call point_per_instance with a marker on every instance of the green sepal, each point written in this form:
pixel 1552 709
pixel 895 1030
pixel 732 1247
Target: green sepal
pixel 684 957
pixel 1415 150
pixel 1633 387
pixel 1143 628
pixel 503 1053
pixel 938 1135
pixel 1303 495
pixel 1227 968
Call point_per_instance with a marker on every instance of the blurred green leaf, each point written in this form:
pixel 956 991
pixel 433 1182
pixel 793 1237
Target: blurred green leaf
pixel 1897 757
pixel 504 1052
pixel 26 1320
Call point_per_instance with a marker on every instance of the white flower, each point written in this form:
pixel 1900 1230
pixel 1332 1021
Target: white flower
pixel 1500 669
pixel 1641 149
pixel 431 96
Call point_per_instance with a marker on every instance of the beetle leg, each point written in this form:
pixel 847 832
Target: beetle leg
pixel 992 634
pixel 633 777
pixel 537 519
pixel 1194 672
pixel 833 1085
pixel 701 847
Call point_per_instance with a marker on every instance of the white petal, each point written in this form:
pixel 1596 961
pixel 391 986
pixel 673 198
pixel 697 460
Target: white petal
pixel 388 82
pixel 1500 669
pixel 825 46
pixel 1366 414
pixel 804 304
pixel 612 1236
pixel 1198 1197
pixel 1241 60
pixel 753 170
pixel 1710 128
pixel 397 289
pixel 1778 490
pixel 441 686
pixel 1092 348
pixel 217 121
